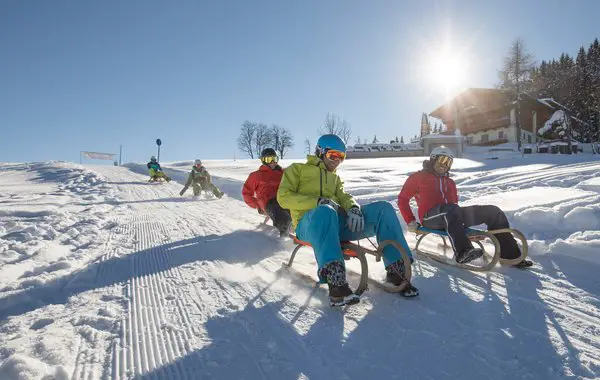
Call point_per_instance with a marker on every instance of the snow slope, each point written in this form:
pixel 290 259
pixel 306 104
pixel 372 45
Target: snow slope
pixel 105 276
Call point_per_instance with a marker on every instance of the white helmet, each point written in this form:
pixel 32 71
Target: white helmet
pixel 197 162
pixel 441 151
pixel 153 158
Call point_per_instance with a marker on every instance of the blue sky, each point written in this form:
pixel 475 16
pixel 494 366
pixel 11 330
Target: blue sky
pixel 92 75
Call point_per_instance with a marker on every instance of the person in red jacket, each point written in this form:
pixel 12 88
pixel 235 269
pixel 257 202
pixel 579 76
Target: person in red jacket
pixel 260 191
pixel 437 202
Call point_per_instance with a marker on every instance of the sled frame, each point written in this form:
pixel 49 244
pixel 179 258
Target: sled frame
pixel 476 236
pixel 352 250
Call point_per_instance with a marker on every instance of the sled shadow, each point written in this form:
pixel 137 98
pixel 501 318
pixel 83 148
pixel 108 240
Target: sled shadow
pixel 445 333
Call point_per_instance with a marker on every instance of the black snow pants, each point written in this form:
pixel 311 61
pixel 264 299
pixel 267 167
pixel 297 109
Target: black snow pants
pixel 455 219
pixel 281 217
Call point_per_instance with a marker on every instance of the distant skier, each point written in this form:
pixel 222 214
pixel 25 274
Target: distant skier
pixel 260 191
pixel 437 202
pixel 155 171
pixel 323 214
pixel 200 180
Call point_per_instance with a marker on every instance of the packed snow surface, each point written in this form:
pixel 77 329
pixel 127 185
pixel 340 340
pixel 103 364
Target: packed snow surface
pixel 106 276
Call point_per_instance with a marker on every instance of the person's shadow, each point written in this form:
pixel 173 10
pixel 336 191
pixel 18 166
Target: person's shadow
pixel 463 326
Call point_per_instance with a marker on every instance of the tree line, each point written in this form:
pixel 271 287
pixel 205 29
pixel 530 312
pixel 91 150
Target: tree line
pixel 572 82
pixel 254 137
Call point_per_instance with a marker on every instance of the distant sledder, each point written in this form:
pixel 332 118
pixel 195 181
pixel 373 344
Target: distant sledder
pixel 199 179
pixel 440 214
pixel 155 171
pixel 260 191
pixel 324 216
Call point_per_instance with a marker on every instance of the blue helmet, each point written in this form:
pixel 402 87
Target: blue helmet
pixel 327 142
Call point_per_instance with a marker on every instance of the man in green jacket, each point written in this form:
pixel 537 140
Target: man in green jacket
pixel 323 214
pixel 200 180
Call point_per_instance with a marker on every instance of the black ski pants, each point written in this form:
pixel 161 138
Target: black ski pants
pixel 281 217
pixel 454 219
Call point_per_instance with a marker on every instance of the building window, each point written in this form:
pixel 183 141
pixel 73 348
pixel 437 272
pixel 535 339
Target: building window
pixel 484 138
pixel 529 139
pixel 500 135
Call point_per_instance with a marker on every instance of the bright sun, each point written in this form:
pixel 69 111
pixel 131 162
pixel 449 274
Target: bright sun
pixel 447 72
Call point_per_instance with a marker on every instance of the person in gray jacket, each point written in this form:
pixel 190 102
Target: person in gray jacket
pixel 200 180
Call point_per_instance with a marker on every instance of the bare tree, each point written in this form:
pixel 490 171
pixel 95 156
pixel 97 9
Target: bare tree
pixel 276 132
pixel 330 125
pixel 307 147
pixel 246 138
pixel 287 141
pixel 515 77
pixel 344 131
pixel 262 138
pixel 335 126
pixel 281 138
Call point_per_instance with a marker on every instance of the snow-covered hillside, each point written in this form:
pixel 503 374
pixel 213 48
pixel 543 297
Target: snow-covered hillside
pixel 106 276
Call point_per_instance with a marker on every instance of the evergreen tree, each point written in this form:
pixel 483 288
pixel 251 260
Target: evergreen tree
pixel 593 64
pixel 402 139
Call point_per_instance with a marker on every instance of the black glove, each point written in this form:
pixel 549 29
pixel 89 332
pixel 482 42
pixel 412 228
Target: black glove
pixel 260 211
pixel 328 202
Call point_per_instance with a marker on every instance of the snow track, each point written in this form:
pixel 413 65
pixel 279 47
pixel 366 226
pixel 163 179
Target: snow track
pixel 182 288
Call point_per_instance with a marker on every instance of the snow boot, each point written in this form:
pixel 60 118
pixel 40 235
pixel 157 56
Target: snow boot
pixel 468 255
pixel 524 264
pixel 395 275
pixel 339 292
pixel 342 295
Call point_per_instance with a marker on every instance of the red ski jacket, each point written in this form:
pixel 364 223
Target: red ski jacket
pixel 428 189
pixel 261 186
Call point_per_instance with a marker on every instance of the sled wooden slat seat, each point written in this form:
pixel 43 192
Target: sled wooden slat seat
pixel 353 250
pixel 476 236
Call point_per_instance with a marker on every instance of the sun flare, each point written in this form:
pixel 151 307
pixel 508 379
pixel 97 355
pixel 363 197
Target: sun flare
pixel 448 72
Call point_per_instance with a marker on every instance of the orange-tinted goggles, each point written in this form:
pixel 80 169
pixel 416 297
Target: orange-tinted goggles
pixel 335 155
pixel 444 161
pixel 269 159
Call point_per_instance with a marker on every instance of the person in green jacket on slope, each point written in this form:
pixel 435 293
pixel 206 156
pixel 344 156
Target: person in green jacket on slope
pixel 199 179
pixel 323 214
pixel 155 171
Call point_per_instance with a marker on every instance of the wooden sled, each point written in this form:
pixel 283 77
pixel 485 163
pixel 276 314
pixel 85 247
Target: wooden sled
pixel 476 236
pixel 355 251
pixel 159 177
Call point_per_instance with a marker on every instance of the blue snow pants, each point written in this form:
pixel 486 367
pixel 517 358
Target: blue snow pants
pixel 324 228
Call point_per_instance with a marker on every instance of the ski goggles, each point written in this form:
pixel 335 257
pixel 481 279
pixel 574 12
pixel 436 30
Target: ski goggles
pixel 444 161
pixel 269 159
pixel 335 155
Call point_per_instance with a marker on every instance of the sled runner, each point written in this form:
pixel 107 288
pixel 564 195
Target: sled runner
pixel 355 251
pixel 479 237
